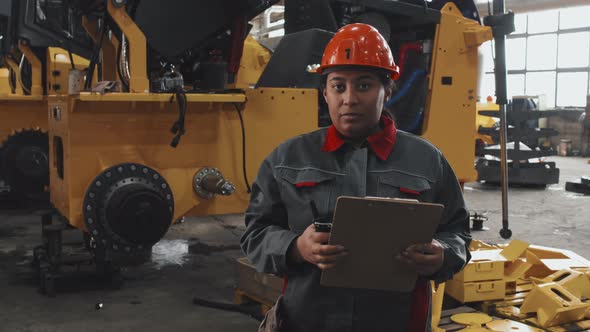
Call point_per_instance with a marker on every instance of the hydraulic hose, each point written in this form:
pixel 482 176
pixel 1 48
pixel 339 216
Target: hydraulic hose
pixel 403 53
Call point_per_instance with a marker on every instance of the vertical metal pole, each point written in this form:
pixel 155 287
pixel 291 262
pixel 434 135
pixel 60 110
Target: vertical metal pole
pixel 502 101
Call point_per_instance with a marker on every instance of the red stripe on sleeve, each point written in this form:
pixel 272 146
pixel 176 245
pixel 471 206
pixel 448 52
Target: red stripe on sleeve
pixel 305 184
pixel 409 191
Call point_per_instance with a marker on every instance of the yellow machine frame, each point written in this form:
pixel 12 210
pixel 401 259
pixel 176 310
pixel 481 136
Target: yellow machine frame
pixel 134 128
pixel 98 131
pixel 450 116
pixel 4 76
pixel 20 111
pixel 17 110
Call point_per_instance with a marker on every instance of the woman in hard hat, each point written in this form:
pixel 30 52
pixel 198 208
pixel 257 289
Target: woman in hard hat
pixel 361 154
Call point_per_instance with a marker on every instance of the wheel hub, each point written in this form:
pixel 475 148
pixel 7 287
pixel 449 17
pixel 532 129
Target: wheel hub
pixel 128 207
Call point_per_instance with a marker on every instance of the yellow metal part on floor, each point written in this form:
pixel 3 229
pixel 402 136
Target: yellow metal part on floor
pixel 554 305
pixel 481 271
pixel 450 111
pixel 485 276
pixel 504 325
pixel 91 132
pixel 471 318
pixel 476 291
pixel 447 323
pixel 575 282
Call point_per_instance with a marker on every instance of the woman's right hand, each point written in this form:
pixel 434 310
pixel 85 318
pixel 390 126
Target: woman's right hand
pixel 312 247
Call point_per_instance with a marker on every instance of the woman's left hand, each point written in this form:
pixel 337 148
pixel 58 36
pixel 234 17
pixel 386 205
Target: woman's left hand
pixel 427 258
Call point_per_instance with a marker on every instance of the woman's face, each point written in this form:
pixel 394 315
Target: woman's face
pixel 355 99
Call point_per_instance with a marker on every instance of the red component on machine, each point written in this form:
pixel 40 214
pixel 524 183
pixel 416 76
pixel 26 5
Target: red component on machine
pixel 237 48
pixel 403 53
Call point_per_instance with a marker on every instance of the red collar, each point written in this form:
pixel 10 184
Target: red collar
pixel 381 143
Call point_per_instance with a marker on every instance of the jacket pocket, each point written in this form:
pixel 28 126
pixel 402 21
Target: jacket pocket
pixel 301 186
pixel 307 177
pixel 403 185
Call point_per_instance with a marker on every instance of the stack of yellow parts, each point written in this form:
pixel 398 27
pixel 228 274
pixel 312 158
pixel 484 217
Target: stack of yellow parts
pixel 486 276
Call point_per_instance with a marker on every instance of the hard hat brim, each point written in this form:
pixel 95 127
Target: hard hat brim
pixel 325 70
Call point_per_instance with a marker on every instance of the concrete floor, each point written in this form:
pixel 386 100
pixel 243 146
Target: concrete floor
pixel 549 216
pixel 197 259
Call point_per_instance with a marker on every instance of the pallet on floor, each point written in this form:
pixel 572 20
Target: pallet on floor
pixel 242 297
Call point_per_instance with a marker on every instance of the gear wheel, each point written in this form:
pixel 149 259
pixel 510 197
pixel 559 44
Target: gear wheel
pixel 128 208
pixel 24 161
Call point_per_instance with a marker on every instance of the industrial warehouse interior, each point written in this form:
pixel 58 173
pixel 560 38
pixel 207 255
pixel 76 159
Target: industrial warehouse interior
pixel 186 165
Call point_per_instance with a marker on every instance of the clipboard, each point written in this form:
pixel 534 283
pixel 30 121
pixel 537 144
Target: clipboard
pixel 374 230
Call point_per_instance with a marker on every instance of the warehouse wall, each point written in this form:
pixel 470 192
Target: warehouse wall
pixel 573 126
pixel 520 6
pixel 569 128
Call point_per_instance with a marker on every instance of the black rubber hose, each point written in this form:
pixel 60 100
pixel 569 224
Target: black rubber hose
pixel 178 127
pixel 243 148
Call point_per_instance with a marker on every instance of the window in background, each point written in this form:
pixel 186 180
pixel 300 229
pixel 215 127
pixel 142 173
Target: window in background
pixel 545 21
pixel 541 52
pixel 515 85
pixel 488 60
pixel 573 50
pixel 571 89
pixel 516 48
pixel 541 83
pixel 547 55
pixel 520 23
pixel 487 87
pixel 576 17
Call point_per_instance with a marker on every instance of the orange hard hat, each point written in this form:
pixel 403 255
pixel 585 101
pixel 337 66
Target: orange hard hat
pixel 358 44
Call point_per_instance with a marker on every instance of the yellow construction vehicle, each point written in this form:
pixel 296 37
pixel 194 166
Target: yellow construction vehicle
pixel 174 127
pixel 176 124
pixel 30 73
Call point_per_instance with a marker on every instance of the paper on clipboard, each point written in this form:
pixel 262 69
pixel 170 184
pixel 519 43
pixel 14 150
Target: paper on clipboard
pixel 374 230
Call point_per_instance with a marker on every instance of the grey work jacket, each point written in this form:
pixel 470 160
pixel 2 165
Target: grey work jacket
pixel 279 212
